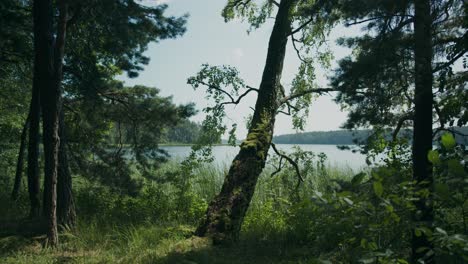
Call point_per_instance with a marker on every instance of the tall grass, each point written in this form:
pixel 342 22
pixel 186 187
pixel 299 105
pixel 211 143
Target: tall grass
pixel 156 226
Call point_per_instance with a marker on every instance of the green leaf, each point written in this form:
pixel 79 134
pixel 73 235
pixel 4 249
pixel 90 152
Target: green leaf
pixel 433 157
pixel 363 242
pixel 421 249
pixel 455 167
pixel 357 179
pixel 442 190
pixel 441 231
pixel 448 141
pixel 378 188
pixel 348 201
pixel 417 232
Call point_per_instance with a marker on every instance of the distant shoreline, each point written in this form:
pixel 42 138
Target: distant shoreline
pixel 227 145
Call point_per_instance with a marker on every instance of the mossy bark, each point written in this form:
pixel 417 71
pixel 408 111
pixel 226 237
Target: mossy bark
pixel 226 212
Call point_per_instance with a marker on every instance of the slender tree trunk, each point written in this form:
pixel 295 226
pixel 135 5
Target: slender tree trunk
pixel 422 138
pixel 20 162
pixel 226 212
pixel 43 67
pixel 33 152
pixel 51 104
pixel 65 204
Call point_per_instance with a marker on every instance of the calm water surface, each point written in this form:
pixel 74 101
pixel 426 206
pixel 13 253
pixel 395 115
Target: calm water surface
pixel 225 154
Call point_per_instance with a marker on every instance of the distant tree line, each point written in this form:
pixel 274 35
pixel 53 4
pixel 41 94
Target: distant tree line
pixel 337 137
pixel 186 132
pixel 348 137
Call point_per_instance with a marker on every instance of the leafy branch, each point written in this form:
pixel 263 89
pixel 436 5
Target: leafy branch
pixel 291 161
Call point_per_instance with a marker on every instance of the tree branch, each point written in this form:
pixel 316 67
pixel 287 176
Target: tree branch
pixel 233 101
pixel 401 121
pixel 293 40
pixel 291 161
pixel 280 167
pixel 250 89
pixel 274 2
pixel 439 114
pixel 450 62
pixel 309 91
pixel 315 9
pixel 451 130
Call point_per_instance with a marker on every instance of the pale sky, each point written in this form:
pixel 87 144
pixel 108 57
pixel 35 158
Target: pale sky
pixel 210 40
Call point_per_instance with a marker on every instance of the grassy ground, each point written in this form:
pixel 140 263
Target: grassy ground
pixel 91 243
pixel 115 229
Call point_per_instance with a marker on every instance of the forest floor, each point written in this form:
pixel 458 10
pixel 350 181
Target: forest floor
pixel 91 243
pixel 157 225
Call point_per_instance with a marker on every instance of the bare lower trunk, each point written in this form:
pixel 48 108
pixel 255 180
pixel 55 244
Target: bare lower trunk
pixel 50 102
pixel 42 67
pixel 422 143
pixel 20 162
pixel 226 212
pixel 65 204
pixel 33 154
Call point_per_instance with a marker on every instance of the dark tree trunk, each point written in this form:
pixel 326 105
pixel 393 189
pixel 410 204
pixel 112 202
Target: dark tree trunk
pixel 20 162
pixel 33 151
pixel 226 212
pixel 50 101
pixel 65 204
pixel 422 143
pixel 43 66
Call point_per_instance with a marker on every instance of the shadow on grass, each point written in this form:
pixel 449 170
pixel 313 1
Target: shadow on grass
pixel 255 252
pixel 17 235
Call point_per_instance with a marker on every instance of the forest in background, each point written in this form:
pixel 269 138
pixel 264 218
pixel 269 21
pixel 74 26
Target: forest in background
pixel 345 137
pixel 83 179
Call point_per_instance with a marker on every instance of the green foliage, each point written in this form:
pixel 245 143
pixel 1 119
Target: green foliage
pixel 16 44
pixel 381 95
pixel 335 215
pixel 339 137
pixel 223 84
pixel 450 200
pixel 186 132
pixel 251 10
pixel 118 139
pixel 448 141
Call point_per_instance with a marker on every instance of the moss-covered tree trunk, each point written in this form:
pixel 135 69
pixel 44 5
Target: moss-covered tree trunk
pixel 422 143
pixel 226 212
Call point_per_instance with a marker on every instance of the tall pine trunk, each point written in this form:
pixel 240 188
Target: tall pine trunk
pixel 422 138
pixel 43 72
pixel 65 204
pixel 33 150
pixel 51 104
pixel 226 212
pixel 20 160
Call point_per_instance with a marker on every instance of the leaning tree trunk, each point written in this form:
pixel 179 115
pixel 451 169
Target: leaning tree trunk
pixel 422 137
pixel 65 204
pixel 20 161
pixel 226 212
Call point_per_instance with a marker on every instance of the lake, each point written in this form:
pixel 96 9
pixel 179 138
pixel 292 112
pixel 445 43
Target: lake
pixel 225 154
